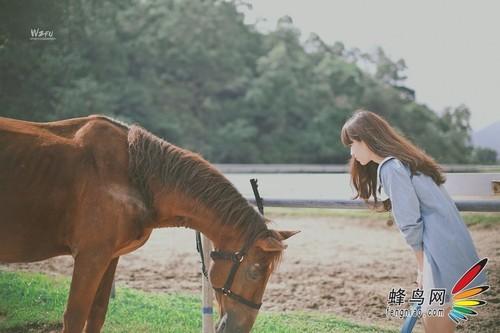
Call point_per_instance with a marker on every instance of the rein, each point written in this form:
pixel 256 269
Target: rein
pixel 236 257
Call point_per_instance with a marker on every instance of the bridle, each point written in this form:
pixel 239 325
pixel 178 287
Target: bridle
pixel 236 258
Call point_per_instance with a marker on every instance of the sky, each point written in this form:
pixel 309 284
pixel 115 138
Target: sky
pixel 451 48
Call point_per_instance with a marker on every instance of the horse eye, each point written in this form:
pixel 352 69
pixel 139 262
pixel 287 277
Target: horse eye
pixel 254 272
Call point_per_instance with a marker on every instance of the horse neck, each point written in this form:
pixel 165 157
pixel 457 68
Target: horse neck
pixel 174 209
pixel 166 174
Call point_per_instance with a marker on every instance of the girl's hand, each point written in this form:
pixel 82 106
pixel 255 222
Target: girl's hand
pixel 420 266
pixel 419 279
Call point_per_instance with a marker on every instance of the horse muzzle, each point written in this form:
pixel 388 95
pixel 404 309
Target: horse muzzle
pixel 228 324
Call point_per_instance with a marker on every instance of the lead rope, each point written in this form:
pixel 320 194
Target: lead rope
pixel 199 248
pixel 260 206
pixel 235 257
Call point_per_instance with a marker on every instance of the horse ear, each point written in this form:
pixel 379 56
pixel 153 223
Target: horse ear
pixel 287 234
pixel 270 244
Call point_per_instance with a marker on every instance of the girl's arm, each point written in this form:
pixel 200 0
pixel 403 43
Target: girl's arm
pixel 405 204
pixel 420 267
pixel 420 260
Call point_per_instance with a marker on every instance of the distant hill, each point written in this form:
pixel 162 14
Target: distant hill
pixel 488 137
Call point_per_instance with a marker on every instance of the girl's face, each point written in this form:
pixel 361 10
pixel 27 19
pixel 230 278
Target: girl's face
pixel 361 152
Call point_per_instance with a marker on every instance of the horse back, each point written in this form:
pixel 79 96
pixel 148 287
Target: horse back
pixel 46 171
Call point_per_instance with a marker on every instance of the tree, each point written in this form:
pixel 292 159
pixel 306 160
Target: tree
pixel 195 74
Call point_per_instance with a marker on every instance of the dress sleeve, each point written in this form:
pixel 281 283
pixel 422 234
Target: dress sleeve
pixel 405 204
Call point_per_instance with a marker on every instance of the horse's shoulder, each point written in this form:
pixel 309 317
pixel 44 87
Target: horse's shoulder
pixel 100 134
pixel 104 143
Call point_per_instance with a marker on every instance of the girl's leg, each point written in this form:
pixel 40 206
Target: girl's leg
pixel 439 324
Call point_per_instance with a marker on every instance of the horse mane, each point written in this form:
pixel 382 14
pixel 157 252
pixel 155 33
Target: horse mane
pixel 114 121
pixel 153 158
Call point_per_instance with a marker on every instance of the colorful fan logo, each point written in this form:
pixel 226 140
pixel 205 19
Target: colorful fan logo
pixel 462 304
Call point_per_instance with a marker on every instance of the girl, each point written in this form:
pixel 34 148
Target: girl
pixel 422 209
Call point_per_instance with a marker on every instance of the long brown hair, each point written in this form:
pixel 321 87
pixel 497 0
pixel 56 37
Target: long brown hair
pixel 382 139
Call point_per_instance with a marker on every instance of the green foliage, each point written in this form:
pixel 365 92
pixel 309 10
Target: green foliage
pixel 35 303
pixel 484 155
pixel 194 73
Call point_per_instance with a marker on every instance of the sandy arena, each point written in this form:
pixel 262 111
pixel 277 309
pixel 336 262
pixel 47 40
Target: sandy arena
pixel 343 266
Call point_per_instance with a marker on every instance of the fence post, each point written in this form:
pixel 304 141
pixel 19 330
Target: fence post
pixel 207 291
pixel 495 187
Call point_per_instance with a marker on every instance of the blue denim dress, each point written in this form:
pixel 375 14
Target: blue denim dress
pixel 429 220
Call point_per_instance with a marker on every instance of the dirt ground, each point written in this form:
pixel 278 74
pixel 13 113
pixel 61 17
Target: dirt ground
pixel 343 266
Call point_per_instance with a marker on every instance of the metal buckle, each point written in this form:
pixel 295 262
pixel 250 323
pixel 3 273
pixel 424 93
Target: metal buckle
pixel 225 291
pixel 237 257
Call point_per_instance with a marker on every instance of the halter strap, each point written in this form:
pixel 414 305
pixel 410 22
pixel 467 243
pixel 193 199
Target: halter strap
pixel 237 258
pixel 199 248
pixel 239 299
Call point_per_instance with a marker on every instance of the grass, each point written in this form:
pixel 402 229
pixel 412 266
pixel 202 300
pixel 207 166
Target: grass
pixel 31 302
pixel 470 218
pixel 325 212
pixel 486 219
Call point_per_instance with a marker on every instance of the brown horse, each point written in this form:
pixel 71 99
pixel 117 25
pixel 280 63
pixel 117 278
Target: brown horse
pixel 95 189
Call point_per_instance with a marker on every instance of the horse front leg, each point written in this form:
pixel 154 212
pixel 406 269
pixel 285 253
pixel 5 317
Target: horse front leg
pixel 89 268
pixel 99 308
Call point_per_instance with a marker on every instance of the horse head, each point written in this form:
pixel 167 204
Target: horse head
pixel 239 276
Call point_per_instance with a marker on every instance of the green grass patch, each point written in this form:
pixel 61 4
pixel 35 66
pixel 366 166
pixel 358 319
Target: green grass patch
pixel 325 212
pixel 32 302
pixel 484 219
pixel 470 218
